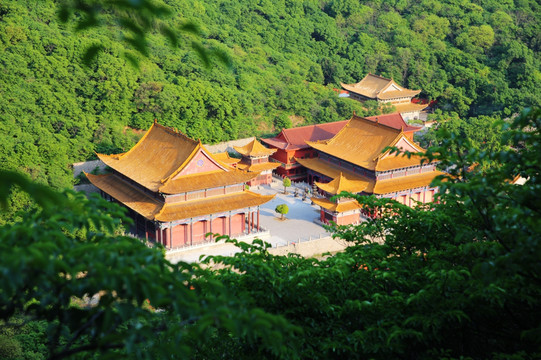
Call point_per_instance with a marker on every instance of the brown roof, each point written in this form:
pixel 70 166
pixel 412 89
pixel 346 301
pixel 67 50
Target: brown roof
pixel 258 167
pixel 394 120
pixel 378 87
pixel 189 209
pixel 337 207
pixel 362 141
pixel 342 183
pixel 159 154
pixel 153 209
pixel 127 194
pixel 295 138
pixel 254 149
pixel 225 158
pixel 206 180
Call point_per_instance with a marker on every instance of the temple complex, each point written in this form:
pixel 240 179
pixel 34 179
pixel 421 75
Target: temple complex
pixel 354 161
pixel 291 145
pixel 177 192
pixel 386 91
pixel 255 159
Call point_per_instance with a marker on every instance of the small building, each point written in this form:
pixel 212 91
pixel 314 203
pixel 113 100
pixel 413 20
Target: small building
pixel 354 161
pixel 176 191
pixel 255 159
pixel 291 145
pixel 386 91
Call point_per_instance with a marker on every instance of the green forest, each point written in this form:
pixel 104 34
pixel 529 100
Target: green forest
pixel 457 279
pixel 476 58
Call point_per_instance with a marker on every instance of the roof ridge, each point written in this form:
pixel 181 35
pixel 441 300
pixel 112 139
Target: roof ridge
pixel 376 122
pixel 139 142
pixel 378 76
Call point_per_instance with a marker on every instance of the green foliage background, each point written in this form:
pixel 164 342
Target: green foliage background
pixel 475 57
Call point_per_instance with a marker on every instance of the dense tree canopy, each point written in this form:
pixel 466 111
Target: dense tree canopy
pixel 460 278
pixel 475 57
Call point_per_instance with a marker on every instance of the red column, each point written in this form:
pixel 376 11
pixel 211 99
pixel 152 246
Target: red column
pixel 258 227
pixel 248 221
pixel 230 224
pixel 156 235
pixel 210 228
pixel 167 238
pixel 191 232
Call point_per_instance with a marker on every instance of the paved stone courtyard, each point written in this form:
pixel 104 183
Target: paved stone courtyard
pixel 298 226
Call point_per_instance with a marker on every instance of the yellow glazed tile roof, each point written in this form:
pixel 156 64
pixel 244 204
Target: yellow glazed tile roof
pixel 258 167
pixel 342 183
pixel 330 170
pixel 255 149
pixel 159 154
pixel 378 87
pixel 206 180
pixel 127 194
pixel 340 207
pixel 153 209
pixel 405 182
pixel 361 142
pixel 411 107
pixel 189 209
pixel 372 186
pixel 225 158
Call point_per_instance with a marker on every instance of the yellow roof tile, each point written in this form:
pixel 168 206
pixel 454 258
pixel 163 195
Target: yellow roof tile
pixel 258 167
pixel 127 194
pixel 378 87
pixel 189 209
pixel 362 141
pixel 342 183
pixel 206 180
pixel 405 182
pixel 410 107
pixel 158 155
pixel 372 186
pixel 225 158
pixel 340 207
pixel 330 170
pixel 255 149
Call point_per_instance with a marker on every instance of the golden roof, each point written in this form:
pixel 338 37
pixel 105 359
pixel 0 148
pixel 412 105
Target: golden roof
pixel 254 149
pixel 225 158
pixel 409 107
pixel 153 209
pixel 372 186
pixel 258 167
pixel 330 170
pixel 130 196
pixel 405 182
pixel 378 87
pixel 190 209
pixel 342 183
pixel 337 207
pixel 362 141
pixel 206 180
pixel 159 154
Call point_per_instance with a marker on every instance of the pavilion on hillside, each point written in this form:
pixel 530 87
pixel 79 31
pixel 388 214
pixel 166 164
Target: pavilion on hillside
pixel 255 158
pixel 291 145
pixel 383 90
pixel 177 192
pixel 354 161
